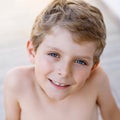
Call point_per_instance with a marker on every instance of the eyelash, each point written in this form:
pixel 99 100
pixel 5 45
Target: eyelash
pixel 53 54
pixel 82 62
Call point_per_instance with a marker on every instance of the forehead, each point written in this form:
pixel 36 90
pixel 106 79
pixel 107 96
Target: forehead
pixel 60 38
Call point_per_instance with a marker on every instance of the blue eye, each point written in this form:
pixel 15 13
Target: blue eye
pixel 54 55
pixel 82 62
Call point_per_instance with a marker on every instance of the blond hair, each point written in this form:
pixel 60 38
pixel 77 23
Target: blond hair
pixel 80 18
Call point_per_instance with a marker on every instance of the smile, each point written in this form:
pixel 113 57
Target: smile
pixel 58 83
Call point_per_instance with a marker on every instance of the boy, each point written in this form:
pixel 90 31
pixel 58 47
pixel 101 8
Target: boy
pixel 65 81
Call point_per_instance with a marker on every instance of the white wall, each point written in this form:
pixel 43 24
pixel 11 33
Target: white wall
pixel 114 5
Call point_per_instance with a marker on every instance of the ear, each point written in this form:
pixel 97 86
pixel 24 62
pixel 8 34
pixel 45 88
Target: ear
pixel 31 51
pixel 95 66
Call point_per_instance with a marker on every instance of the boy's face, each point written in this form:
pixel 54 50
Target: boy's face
pixel 62 66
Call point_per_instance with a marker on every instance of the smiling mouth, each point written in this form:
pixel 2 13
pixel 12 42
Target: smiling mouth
pixel 58 84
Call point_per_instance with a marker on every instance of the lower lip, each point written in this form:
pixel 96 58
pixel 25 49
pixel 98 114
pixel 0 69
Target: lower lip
pixel 58 86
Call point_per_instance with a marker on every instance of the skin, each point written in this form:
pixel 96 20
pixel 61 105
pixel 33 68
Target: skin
pixel 62 84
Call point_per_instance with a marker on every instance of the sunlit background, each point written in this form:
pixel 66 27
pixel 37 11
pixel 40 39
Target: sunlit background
pixel 16 20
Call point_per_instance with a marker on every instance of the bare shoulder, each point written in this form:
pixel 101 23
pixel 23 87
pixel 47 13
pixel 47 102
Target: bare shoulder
pixel 16 78
pixel 99 76
pixel 99 80
pixel 109 110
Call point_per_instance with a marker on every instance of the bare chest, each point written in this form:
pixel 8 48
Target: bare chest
pixel 57 115
pixel 86 110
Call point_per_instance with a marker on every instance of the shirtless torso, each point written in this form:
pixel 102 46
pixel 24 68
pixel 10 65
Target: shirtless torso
pixel 25 100
pixel 33 104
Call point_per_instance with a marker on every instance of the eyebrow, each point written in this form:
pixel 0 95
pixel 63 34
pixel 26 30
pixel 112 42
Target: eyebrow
pixel 54 48
pixel 85 57
pixel 88 58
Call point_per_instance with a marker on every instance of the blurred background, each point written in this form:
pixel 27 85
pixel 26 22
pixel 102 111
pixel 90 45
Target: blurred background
pixel 16 20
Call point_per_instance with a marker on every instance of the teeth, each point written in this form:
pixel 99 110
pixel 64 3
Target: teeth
pixel 60 84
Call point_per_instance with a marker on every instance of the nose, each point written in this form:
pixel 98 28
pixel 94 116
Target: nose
pixel 64 69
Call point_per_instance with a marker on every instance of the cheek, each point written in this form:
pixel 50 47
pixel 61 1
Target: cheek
pixel 43 65
pixel 81 75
